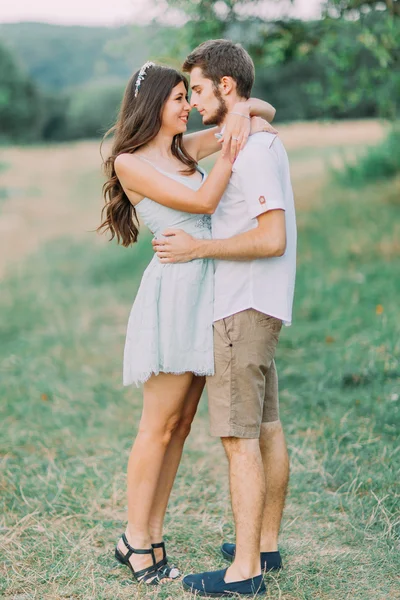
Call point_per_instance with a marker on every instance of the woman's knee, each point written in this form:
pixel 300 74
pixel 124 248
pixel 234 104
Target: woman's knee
pixel 160 431
pixel 184 426
pixel 186 419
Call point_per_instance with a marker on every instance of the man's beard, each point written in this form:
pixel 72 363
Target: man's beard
pixel 219 116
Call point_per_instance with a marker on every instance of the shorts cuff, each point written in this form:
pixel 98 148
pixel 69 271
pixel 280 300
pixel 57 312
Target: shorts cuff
pixel 271 419
pixel 237 431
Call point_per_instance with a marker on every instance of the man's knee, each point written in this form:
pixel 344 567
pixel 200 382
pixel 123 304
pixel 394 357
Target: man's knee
pixel 234 446
pixel 272 428
pixel 272 438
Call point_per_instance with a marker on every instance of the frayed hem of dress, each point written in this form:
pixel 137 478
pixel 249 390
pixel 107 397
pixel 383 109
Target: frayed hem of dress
pixel 145 377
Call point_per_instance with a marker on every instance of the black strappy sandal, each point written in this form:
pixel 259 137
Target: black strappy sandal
pixel 163 567
pixel 150 575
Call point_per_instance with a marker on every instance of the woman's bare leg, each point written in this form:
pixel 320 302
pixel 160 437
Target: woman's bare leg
pixel 163 398
pixel 172 460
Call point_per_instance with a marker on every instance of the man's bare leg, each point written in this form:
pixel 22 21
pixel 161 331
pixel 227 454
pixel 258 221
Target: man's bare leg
pixel 276 469
pixel 247 483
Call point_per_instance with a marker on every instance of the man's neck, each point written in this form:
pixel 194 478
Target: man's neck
pixel 231 102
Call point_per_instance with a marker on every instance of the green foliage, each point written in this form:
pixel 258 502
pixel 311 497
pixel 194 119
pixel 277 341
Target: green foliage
pixel 54 125
pixel 20 103
pixel 379 162
pixel 285 65
pixel 342 67
pixel 357 7
pixel 92 109
pixel 213 19
pixel 361 64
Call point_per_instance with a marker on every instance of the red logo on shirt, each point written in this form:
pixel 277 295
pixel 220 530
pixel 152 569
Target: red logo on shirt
pixel 262 200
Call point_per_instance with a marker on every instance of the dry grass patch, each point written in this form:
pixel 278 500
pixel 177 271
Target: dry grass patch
pixel 51 192
pixel 297 136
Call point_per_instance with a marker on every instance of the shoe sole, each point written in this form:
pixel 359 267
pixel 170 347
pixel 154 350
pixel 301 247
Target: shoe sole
pixel 121 559
pixel 189 588
pixel 230 557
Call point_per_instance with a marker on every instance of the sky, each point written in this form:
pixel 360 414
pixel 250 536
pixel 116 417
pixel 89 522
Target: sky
pixel 118 12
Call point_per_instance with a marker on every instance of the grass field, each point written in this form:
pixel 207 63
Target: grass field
pixel 67 424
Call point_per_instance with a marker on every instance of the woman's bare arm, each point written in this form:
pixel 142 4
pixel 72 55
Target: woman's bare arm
pixel 201 144
pixel 233 137
pixel 139 179
pixel 260 108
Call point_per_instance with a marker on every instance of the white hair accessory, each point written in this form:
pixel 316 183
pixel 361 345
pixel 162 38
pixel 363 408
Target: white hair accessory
pixel 142 75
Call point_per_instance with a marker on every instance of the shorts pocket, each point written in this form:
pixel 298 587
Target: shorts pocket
pixel 228 325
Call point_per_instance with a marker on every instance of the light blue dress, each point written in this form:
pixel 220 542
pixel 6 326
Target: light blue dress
pixel 170 324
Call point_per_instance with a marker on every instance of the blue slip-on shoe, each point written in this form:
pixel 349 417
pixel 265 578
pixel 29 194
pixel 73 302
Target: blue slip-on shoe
pixel 270 561
pixel 213 584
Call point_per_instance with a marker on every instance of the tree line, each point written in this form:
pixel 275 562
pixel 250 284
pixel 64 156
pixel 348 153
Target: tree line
pixel 64 83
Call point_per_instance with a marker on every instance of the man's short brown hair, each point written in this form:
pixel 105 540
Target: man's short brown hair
pixel 223 58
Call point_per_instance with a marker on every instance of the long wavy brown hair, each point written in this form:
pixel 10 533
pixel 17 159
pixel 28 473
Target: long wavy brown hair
pixel 138 122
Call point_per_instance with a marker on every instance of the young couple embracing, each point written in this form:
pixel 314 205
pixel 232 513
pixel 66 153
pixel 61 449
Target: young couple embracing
pixel 211 303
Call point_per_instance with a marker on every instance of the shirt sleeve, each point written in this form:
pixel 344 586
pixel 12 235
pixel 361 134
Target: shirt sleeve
pixel 259 177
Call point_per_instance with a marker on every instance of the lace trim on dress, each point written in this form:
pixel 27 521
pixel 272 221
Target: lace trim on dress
pixel 204 221
pixel 142 378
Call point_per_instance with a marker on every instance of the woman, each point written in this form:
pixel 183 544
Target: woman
pixel 153 172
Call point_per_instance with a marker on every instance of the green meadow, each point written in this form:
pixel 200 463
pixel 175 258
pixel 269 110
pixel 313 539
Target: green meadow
pixel 67 424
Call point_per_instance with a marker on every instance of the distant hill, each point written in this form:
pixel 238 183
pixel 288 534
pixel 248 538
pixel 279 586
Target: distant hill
pixel 66 82
pixel 59 57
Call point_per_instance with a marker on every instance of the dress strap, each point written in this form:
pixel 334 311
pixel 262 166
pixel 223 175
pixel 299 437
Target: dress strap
pixel 202 171
pixel 147 160
pixel 199 169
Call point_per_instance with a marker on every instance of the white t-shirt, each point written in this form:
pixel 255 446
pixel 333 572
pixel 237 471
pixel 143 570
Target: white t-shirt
pixel 260 182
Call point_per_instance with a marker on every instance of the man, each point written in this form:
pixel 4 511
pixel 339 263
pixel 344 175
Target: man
pixel 254 247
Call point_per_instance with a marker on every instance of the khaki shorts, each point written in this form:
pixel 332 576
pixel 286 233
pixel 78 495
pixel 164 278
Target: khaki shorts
pixel 243 393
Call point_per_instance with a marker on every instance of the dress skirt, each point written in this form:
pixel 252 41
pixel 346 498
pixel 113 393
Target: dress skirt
pixel 170 325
